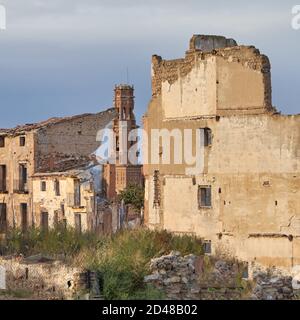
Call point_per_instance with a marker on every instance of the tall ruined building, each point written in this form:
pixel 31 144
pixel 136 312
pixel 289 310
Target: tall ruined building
pixel 120 175
pixel 244 196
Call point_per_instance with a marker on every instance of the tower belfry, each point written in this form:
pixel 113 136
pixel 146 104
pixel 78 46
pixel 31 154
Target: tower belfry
pixel 124 102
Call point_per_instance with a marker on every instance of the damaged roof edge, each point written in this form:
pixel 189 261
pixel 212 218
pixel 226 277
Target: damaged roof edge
pixel 50 122
pixel 68 172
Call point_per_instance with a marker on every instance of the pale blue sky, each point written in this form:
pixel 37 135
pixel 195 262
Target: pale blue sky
pixel 63 57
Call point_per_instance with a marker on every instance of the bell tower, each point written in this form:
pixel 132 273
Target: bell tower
pixel 124 105
pixel 119 176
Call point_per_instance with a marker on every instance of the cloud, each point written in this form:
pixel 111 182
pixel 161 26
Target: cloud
pixel 111 18
pixel 64 56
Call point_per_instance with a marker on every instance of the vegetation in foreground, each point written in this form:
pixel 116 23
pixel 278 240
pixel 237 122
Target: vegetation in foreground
pixel 122 260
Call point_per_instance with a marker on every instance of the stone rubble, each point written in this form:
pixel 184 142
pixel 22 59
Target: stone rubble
pixel 181 278
pixel 184 278
pixel 272 285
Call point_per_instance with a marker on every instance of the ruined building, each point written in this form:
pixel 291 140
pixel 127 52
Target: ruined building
pixel 67 198
pixel 119 175
pixel 37 184
pixel 245 200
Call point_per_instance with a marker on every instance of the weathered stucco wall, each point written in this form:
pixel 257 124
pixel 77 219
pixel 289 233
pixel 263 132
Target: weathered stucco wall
pixel 186 94
pixel 234 94
pixel 252 164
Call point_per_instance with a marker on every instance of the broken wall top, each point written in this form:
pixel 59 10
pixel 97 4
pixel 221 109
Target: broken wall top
pixel 216 74
pixel 208 43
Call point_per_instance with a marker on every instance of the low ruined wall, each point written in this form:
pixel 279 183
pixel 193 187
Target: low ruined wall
pixel 48 280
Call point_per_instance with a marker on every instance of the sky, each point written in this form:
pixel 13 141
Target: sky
pixel 63 57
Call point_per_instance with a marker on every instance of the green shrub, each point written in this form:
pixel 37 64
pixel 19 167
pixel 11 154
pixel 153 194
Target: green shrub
pixel 133 195
pixel 123 261
pixel 53 242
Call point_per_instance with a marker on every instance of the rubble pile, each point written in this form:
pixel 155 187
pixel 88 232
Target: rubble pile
pixel 189 277
pixel 272 286
pixel 185 278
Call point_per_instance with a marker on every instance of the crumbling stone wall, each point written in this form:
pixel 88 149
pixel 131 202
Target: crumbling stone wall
pixel 41 280
pixel 237 64
pixel 211 278
pixel 273 286
pixel 186 278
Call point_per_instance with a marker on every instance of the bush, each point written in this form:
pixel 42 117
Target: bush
pixel 123 261
pixel 53 242
pixel 133 195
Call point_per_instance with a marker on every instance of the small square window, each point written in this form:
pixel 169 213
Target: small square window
pixel 207 247
pixel 57 187
pixel 204 196
pixel 43 186
pixel 22 141
pixel 207 135
pixel 2 142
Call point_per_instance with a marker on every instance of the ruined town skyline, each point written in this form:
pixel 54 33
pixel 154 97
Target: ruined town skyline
pixel 221 90
pixel 41 59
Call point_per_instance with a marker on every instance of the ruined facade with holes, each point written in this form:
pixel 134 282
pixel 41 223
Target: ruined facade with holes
pixel 33 159
pixel 66 198
pixel 246 198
